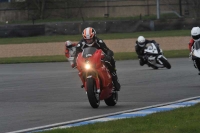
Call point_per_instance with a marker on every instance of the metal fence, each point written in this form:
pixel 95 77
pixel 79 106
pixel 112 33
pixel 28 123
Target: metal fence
pixel 96 8
pixel 66 28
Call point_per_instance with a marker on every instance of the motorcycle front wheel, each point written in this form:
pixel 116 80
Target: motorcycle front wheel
pixel 92 94
pixel 165 63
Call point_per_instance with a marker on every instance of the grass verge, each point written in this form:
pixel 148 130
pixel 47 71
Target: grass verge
pixel 61 58
pixel 182 120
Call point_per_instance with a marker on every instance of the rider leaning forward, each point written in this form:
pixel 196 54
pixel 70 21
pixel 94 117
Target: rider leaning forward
pixel 90 39
pixel 140 46
pixel 195 33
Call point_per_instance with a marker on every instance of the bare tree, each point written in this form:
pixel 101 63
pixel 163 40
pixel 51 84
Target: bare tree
pixel 37 7
pixel 74 5
pixel 191 6
pixel 172 7
pixel 41 9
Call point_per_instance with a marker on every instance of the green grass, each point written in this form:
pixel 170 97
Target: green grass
pixel 61 58
pixel 63 38
pixel 182 120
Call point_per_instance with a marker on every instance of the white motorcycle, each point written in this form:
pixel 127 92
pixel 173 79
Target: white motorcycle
pixel 155 57
pixel 195 55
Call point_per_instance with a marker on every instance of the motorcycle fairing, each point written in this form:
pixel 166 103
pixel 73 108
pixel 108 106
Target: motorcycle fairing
pixel 98 71
pixel 195 53
pixel 152 60
pixel 151 49
pixel 196 50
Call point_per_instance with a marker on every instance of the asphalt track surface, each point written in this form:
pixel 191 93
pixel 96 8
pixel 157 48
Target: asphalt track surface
pixel 38 94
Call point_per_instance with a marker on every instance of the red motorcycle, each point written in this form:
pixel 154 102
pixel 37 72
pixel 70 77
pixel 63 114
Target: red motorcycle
pixel 96 78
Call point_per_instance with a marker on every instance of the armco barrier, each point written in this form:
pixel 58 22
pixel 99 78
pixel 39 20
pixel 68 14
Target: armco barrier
pixel 21 30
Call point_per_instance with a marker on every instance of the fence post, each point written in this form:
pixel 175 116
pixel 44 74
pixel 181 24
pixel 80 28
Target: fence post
pixel 180 7
pixel 158 9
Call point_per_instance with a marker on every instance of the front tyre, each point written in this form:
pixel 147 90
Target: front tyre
pixel 112 100
pixel 165 63
pixel 92 94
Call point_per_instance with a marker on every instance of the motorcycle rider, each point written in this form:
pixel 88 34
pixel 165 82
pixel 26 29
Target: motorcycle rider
pixel 195 33
pixel 140 46
pixel 70 49
pixel 90 39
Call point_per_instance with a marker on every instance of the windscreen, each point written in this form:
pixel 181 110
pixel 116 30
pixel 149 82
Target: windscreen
pixel 149 46
pixel 89 51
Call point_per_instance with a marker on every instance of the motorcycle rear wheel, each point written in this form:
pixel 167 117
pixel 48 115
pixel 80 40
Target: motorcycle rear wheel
pixel 165 63
pixel 92 94
pixel 112 100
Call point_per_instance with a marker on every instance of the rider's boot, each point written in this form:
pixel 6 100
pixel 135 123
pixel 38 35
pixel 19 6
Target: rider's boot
pixel 197 63
pixel 115 81
pixel 143 60
pixel 194 63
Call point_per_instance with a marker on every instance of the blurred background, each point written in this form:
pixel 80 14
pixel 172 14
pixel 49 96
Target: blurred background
pixel 65 17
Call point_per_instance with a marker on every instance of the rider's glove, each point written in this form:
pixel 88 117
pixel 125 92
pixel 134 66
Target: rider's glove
pixel 190 55
pixel 74 65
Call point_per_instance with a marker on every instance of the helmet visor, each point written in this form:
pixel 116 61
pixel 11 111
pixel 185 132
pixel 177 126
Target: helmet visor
pixel 195 37
pixel 141 44
pixel 88 41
